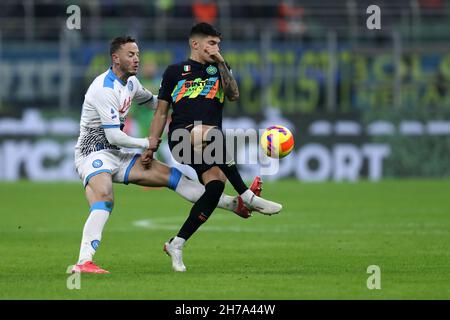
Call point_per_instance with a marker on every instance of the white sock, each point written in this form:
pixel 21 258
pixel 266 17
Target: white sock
pixel 264 206
pixel 92 234
pixel 189 189
pixel 227 202
pixel 247 196
pixel 192 191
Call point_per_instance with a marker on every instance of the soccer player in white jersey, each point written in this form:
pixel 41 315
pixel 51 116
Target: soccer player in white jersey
pixel 100 162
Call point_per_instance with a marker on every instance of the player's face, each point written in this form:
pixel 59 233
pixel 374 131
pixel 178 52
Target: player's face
pixel 208 44
pixel 128 57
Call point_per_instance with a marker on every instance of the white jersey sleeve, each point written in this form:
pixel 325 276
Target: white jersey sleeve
pixel 118 138
pixel 107 105
pixel 143 95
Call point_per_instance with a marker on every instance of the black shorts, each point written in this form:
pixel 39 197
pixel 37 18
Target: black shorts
pixel 199 168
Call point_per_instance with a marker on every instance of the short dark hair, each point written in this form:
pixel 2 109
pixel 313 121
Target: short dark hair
pixel 119 41
pixel 204 29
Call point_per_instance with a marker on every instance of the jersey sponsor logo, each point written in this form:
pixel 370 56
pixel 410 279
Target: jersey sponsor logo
pixel 185 73
pixel 211 70
pixel 125 105
pixel 97 163
pixel 130 85
pixel 209 88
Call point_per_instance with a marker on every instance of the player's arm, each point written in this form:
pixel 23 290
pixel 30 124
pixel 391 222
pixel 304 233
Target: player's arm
pixel 158 124
pixel 150 102
pixel 119 138
pixel 145 97
pixel 156 129
pixel 107 106
pixel 229 83
pixel 160 117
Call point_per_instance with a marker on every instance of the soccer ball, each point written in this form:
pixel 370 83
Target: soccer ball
pixel 277 141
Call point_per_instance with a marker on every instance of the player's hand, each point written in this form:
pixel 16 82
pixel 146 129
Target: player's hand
pixel 153 143
pixel 215 55
pixel 147 157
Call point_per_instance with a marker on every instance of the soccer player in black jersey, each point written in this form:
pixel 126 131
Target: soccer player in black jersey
pixel 196 89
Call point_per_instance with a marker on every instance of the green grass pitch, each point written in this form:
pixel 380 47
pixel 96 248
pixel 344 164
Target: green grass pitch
pixel 318 247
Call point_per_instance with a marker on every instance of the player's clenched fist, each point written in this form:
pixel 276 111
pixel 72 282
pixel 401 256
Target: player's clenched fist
pixel 147 157
pixel 153 143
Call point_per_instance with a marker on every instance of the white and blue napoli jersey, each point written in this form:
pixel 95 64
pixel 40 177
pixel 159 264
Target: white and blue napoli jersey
pixel 106 105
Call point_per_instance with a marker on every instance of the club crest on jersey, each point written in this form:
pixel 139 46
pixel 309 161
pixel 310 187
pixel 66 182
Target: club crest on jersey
pixel 97 163
pixel 186 68
pixel 211 70
pixel 130 85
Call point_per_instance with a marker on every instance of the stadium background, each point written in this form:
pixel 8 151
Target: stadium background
pixel 370 105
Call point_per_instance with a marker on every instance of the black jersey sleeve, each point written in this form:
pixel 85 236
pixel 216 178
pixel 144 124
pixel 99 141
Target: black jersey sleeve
pixel 167 85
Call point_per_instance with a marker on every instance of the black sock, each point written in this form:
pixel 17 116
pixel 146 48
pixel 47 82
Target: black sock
pixel 228 165
pixel 231 172
pixel 202 209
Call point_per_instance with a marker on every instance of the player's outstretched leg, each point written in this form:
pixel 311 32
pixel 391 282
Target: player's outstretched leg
pixel 160 175
pixel 100 198
pixel 192 191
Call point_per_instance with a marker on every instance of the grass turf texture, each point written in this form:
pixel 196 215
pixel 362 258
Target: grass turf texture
pixel 319 247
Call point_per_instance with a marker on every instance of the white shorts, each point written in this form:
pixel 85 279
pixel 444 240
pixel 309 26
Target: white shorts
pixel 115 162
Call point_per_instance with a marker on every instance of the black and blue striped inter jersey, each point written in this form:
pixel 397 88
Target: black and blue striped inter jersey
pixel 195 92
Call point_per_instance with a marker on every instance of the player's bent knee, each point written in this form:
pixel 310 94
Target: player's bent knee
pixel 99 194
pixel 100 188
pixel 214 173
pixel 103 194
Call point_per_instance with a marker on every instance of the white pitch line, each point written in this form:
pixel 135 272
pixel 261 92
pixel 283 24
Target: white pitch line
pixel 153 225
pixel 159 224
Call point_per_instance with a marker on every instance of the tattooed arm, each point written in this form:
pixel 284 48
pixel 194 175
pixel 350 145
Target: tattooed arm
pixel 229 84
